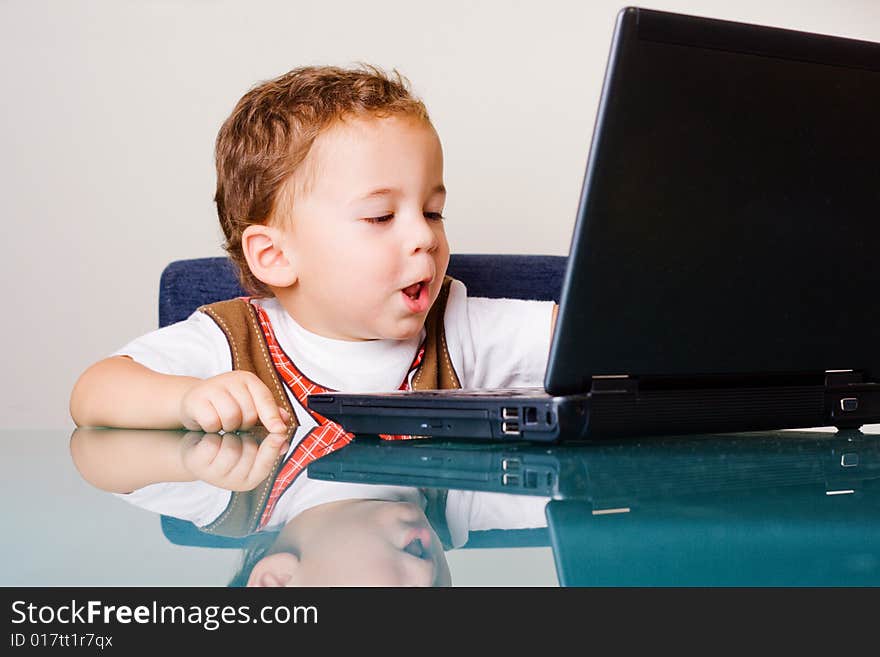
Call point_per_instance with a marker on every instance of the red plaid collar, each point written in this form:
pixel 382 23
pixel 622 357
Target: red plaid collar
pixel 327 436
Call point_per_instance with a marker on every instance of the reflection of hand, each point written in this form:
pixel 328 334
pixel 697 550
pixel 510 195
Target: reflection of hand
pixel 231 401
pixel 231 461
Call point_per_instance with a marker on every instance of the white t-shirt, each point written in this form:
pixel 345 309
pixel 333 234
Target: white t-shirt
pixel 493 343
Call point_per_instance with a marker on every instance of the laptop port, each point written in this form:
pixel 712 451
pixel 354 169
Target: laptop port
pixel 510 480
pixel 510 464
pixel 849 404
pixel 510 428
pixel 530 415
pixel 509 413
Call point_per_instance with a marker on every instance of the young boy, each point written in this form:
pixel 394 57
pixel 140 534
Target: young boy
pixel 330 194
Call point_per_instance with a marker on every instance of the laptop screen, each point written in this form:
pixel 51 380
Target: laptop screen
pixel 730 216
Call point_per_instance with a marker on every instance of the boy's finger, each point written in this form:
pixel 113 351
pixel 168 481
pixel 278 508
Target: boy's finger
pixel 267 454
pixel 242 396
pixel 203 450
pixel 267 409
pixel 191 423
pixel 189 443
pixel 228 409
pixel 248 454
pixel 227 456
pixel 205 417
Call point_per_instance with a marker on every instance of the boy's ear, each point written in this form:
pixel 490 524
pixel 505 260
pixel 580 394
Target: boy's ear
pixel 264 251
pixel 275 570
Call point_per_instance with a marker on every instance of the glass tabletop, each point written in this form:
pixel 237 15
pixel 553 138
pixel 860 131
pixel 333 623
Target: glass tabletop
pixel 785 508
pixel 62 531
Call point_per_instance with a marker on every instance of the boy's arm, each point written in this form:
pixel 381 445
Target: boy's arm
pixel 553 319
pixel 118 392
pixel 124 460
pixel 121 460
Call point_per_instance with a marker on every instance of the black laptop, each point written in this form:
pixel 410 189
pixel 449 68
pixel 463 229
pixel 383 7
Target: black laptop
pixel 723 271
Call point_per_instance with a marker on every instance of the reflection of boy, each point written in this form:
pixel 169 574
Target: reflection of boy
pixel 330 194
pixel 329 533
pixel 396 545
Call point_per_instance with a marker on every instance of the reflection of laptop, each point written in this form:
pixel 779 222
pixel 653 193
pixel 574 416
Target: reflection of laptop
pixel 722 273
pixel 629 473
pixel 792 536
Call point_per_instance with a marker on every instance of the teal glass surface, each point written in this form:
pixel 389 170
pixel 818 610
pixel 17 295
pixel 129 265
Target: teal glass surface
pixel 784 508
pixel 788 508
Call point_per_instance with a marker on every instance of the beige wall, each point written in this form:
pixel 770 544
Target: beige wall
pixel 110 110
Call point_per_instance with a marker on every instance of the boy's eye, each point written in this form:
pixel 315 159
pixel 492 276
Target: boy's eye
pixel 379 220
pixel 388 217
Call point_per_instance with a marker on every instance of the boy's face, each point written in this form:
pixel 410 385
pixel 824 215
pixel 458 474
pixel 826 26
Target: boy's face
pixel 366 543
pixel 366 241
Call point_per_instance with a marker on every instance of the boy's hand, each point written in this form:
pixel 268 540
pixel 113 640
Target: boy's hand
pixel 231 401
pixel 231 461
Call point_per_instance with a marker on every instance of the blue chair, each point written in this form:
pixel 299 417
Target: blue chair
pixel 187 284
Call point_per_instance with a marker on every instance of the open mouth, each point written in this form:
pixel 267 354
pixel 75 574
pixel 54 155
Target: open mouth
pixel 416 548
pixel 414 290
pixel 419 544
pixel 416 296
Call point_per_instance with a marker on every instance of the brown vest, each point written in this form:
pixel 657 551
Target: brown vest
pixel 238 320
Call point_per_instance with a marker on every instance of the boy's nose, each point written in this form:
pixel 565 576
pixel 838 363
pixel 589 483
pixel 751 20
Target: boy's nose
pixel 421 236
